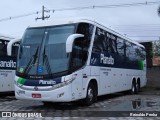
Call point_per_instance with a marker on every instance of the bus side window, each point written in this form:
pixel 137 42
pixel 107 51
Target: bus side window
pixel 15 48
pixel 3 48
pixel 112 45
pixel 77 53
pixel 81 45
pixel 87 30
pixel 100 41
pixel 120 46
pixel 140 53
pixel 132 55
pixel 128 49
pixel 98 44
pixel 143 54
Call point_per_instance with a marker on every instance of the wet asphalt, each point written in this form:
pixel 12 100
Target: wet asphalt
pixel 145 105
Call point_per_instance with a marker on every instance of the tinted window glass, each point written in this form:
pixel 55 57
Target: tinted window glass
pixel 81 45
pixel 43 50
pixel 104 42
pixel 55 48
pixel 15 48
pixel 128 47
pixel 100 41
pixel 3 47
pixel 112 43
pixel 120 46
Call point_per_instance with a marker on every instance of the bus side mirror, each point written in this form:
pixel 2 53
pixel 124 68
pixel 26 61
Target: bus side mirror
pixel 70 41
pixel 9 46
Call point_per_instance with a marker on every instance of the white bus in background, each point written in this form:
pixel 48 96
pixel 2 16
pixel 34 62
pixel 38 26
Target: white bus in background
pixel 7 64
pixel 77 59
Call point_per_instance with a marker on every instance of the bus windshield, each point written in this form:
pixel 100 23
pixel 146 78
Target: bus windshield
pixel 43 50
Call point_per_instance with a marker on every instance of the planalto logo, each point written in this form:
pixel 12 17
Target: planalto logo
pixel 47 82
pixel 106 60
pixel 8 64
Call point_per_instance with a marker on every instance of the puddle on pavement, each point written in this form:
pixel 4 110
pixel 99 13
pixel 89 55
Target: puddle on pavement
pixel 6 97
pixel 134 105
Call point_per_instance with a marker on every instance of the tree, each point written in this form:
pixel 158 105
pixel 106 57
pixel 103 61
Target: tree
pixel 156 48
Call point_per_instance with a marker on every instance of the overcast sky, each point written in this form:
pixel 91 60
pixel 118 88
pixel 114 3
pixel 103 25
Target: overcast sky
pixel 137 21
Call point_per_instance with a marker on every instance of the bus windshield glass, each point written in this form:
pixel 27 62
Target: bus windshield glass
pixel 43 50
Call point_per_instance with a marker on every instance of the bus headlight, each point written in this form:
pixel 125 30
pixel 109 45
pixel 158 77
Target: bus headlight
pixel 65 82
pixel 69 80
pixel 18 84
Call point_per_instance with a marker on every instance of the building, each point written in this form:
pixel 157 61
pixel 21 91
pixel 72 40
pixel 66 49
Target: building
pixel 156 60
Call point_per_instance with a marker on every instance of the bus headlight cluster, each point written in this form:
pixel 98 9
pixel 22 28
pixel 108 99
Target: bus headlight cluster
pixel 61 84
pixel 18 84
pixel 65 82
pixel 71 79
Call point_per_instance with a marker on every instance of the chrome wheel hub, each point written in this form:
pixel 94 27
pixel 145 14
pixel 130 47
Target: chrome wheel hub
pixel 90 94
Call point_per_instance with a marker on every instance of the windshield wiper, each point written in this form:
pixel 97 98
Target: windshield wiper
pixel 31 62
pixel 46 62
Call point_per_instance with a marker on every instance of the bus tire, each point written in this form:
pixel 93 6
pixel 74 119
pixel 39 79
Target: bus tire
pixel 46 103
pixel 137 87
pixel 51 103
pixel 91 95
pixel 133 89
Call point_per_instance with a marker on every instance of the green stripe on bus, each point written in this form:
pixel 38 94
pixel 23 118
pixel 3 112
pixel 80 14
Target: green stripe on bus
pixel 141 65
pixel 21 80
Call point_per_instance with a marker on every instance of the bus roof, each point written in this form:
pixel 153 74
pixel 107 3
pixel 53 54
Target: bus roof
pixel 72 20
pixel 6 37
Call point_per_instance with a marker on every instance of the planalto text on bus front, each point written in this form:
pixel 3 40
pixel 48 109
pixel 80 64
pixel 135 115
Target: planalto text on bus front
pixel 9 64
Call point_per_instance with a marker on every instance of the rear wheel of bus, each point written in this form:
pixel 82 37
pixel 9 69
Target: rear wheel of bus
pixel 133 88
pixel 138 85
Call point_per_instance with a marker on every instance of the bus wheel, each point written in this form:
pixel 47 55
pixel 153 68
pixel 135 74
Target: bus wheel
pixel 133 89
pixel 137 87
pixel 50 103
pixel 91 95
pixel 46 103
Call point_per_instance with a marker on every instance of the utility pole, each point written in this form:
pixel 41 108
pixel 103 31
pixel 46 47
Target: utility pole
pixel 43 12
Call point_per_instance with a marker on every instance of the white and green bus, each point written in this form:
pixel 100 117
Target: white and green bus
pixel 77 59
pixel 7 64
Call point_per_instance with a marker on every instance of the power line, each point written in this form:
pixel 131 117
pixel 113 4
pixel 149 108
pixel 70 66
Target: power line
pixel 109 6
pixel 130 4
pixel 19 16
pixel 85 7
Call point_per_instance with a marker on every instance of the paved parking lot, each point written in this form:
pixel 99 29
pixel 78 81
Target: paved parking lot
pixel 115 106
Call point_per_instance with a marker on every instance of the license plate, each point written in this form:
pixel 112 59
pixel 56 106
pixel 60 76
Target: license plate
pixel 36 95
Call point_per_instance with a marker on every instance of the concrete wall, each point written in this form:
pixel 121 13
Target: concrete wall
pixel 153 77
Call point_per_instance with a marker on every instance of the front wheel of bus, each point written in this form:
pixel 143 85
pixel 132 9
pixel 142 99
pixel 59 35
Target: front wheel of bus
pixel 91 95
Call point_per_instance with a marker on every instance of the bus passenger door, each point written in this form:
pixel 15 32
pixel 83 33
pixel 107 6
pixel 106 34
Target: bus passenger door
pixel 105 80
pixel 7 74
pixel 5 84
pixel 85 80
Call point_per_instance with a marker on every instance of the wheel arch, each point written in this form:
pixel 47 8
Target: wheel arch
pixel 95 83
pixel 134 80
pixel 139 81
